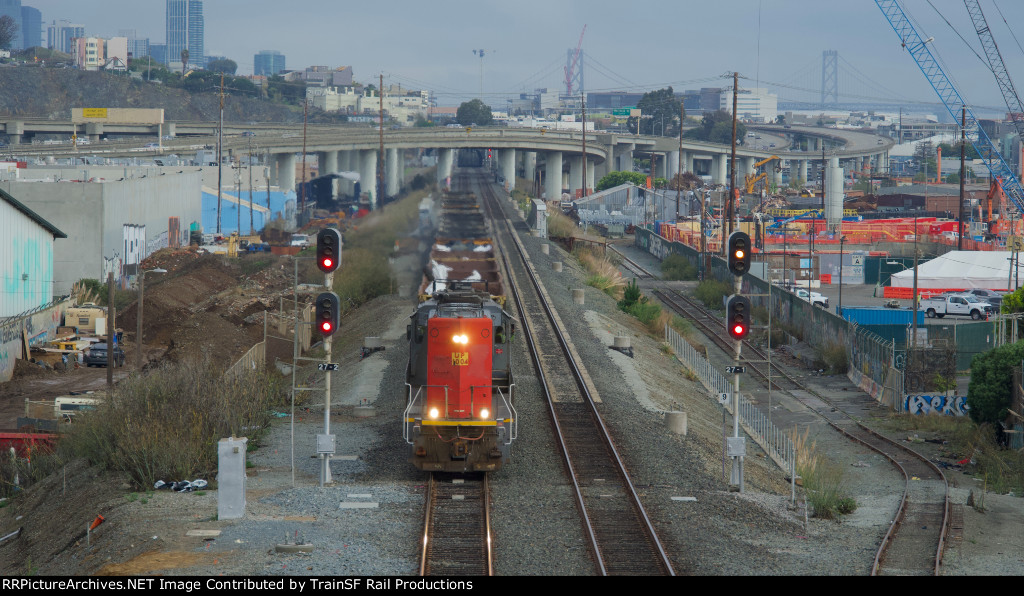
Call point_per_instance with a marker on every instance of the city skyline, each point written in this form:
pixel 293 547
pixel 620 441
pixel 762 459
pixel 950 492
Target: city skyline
pixel 776 44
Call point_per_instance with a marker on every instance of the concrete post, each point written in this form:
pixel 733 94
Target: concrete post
pixel 286 171
pixel 575 175
pixel 272 177
pixel 530 167
pixel 553 175
pixel 773 172
pixel 368 175
pixel 507 163
pixel 688 162
pixel 590 175
pixel 719 172
pixel 231 478
pixel 16 131
pixel 625 163
pixel 444 166
pixel 391 168
pixel 345 165
pixel 327 162
pixel 672 162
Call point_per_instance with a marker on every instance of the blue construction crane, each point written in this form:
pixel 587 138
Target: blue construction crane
pixel 996 64
pixel 784 222
pixel 918 49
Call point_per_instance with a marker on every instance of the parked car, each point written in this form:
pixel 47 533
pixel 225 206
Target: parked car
pixel 813 297
pixel 957 304
pixel 97 355
pixel 992 297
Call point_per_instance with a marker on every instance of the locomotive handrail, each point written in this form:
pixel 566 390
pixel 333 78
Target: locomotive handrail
pixel 514 422
pixel 413 400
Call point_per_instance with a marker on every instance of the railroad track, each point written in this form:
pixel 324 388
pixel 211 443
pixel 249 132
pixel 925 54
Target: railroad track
pixel 915 541
pixel 622 539
pixel 457 532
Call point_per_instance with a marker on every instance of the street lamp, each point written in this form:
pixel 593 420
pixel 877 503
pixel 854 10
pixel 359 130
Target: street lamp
pixel 842 239
pixel 138 317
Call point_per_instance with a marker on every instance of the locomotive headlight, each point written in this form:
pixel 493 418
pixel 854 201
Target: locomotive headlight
pixel 485 413
pixel 433 413
pixel 460 339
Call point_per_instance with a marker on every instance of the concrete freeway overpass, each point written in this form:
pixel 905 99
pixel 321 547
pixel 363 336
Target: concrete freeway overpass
pixel 558 155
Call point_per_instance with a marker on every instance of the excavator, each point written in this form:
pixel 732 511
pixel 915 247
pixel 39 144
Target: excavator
pixel 1001 226
pixel 751 179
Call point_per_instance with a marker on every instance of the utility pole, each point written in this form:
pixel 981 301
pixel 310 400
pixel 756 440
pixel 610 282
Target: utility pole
pixel 583 104
pixel 302 184
pixel 238 197
pixel 963 174
pixel 380 155
pixel 679 166
pixel 732 159
pixel 250 187
pixel 111 339
pixel 220 150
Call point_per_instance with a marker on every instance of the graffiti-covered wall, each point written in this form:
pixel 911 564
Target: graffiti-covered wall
pixel 950 405
pixel 40 327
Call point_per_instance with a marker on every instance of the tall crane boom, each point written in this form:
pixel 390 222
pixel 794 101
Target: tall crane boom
pixel 918 49
pixel 996 64
pixel 570 71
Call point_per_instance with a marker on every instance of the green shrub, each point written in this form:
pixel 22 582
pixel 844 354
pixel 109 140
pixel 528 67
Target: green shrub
pixel 165 425
pixel 677 267
pixel 630 296
pixel 833 358
pixel 711 292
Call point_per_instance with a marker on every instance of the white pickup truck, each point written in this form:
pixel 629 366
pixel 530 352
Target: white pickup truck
pixel 813 297
pixel 957 304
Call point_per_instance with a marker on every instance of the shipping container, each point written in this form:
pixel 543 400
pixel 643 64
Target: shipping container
pixel 871 315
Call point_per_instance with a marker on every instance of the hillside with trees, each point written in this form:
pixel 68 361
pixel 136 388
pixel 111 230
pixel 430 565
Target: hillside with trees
pixel 31 91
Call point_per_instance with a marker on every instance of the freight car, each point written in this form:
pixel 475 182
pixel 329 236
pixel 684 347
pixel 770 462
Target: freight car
pixel 459 415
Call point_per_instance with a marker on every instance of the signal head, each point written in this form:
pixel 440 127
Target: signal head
pixel 739 253
pixel 737 316
pixel 328 250
pixel 327 313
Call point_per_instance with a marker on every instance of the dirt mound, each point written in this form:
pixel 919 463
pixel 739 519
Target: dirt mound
pixel 23 369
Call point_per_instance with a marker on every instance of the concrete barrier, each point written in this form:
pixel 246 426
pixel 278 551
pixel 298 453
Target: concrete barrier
pixel 556 266
pixel 577 296
pixel 676 422
pixel 545 248
pixel 620 341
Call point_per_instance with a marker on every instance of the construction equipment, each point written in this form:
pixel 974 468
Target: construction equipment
pixel 571 74
pixel 997 66
pixel 784 222
pixel 752 179
pixel 918 49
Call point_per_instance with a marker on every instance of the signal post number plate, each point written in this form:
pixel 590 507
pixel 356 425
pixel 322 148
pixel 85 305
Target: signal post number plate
pixel 460 358
pixel 735 369
pixel 327 366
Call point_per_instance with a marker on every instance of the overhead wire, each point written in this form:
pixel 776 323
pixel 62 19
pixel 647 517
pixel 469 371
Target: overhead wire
pixel 1008 26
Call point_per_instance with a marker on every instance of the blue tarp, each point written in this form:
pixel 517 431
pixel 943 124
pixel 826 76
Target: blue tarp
pixel 230 215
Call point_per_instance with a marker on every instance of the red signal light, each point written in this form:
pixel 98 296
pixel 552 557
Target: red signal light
pixel 326 327
pixel 327 264
pixel 738 330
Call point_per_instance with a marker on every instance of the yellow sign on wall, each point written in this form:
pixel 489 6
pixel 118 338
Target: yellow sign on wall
pixel 94 112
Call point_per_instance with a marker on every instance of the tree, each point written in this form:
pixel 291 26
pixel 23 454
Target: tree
pixel 224 65
pixel 716 127
pixel 660 111
pixel 184 61
pixel 8 30
pixel 474 112
pixel 990 389
pixel 613 179
pixel 780 119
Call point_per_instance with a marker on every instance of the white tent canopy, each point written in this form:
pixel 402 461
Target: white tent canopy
pixel 962 269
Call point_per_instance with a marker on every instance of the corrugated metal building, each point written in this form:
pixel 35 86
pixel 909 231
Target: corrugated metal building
pixel 26 257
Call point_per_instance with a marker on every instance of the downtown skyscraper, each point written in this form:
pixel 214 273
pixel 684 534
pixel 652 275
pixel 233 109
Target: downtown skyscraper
pixel 185 31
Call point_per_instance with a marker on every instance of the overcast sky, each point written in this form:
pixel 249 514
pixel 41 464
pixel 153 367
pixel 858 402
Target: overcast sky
pixel 629 44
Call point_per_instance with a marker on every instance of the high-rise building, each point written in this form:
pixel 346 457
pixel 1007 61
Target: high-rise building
pixel 137 48
pixel 12 8
pixel 31 27
pixel 185 30
pixel 59 36
pixel 268 63
pixel 158 52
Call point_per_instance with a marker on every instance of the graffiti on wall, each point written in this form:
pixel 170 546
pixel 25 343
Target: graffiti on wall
pixel 40 327
pixel 950 405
